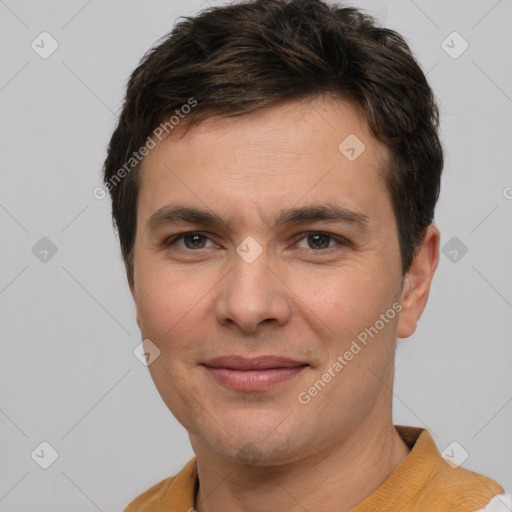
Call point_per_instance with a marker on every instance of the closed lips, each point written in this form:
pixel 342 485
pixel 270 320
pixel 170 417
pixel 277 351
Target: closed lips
pixel 259 363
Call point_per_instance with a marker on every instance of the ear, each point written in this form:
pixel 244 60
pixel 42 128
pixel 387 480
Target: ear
pixel 417 282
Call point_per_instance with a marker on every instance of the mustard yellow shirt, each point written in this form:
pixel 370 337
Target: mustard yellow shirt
pixel 423 482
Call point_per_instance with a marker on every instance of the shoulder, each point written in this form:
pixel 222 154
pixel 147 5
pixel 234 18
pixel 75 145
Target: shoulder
pixel 461 489
pixel 173 493
pixel 500 503
pixel 436 482
pixel 150 498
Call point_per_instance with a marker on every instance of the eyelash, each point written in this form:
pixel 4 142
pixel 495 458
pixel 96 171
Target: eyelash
pixel 341 241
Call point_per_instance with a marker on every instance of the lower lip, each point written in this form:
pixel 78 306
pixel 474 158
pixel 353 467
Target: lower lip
pixel 253 380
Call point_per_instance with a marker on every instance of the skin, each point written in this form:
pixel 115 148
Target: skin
pixel 292 301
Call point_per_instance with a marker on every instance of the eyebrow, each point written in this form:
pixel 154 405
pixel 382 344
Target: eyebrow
pixel 175 214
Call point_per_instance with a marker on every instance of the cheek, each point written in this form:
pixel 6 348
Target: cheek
pixel 162 301
pixel 174 307
pixel 343 307
pixel 346 309
pixel 342 299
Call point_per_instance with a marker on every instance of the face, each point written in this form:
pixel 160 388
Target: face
pixel 297 258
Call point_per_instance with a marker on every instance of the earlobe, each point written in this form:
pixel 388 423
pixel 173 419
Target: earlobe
pixel 417 282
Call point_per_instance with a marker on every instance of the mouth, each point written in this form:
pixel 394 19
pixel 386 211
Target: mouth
pixel 253 374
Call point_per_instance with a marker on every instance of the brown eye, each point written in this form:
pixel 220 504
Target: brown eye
pixel 191 240
pixel 194 241
pixel 321 241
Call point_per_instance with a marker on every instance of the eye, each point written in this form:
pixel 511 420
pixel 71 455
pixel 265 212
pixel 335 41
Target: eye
pixel 192 240
pixel 319 241
pixel 316 240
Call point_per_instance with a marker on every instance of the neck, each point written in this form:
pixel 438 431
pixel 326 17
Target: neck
pixel 338 478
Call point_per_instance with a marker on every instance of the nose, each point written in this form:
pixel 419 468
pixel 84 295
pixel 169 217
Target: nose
pixel 253 294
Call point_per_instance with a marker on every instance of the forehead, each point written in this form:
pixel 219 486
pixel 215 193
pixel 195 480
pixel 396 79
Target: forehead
pixel 299 152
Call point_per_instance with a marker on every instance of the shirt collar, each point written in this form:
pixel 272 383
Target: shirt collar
pixel 422 473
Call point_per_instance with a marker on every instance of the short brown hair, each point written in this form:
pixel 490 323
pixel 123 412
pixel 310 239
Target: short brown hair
pixel 240 57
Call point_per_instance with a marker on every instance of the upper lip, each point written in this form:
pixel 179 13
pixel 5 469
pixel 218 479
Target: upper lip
pixel 255 363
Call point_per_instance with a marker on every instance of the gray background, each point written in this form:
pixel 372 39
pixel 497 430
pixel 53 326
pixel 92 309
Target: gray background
pixel 68 375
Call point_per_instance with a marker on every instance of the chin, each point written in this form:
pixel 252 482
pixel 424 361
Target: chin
pixel 258 440
pixel 245 451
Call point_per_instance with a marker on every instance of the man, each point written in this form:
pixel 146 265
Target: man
pixel 273 177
